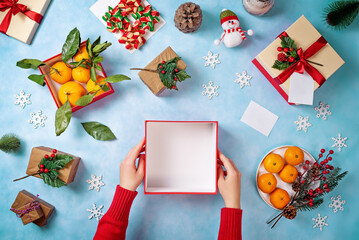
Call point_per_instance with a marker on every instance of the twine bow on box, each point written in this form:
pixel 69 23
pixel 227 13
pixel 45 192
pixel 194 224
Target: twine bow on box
pixel 14 8
pixel 303 62
pixel 27 208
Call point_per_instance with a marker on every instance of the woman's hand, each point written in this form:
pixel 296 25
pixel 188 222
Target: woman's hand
pixel 130 176
pixel 229 186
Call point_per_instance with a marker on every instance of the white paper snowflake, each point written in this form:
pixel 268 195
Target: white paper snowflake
pixel 337 203
pixel 211 60
pixel 323 111
pixel 210 90
pixel 320 222
pixel 339 142
pixel 303 123
pixel 95 182
pixel 96 212
pixel 243 79
pixel 22 99
pixel 38 119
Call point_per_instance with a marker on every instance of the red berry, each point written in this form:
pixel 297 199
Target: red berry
pixel 163 72
pixel 305 167
pixel 310 204
pixel 316 164
pixel 46 170
pixel 175 79
pixel 176 70
pixel 322 163
pixel 46 156
pixel 161 66
pixel 322 150
pixel 325 160
pixel 327 166
pixel 291 49
pixel 331 168
pixel 330 158
pixel 281 57
pixel 321 191
pixel 52 155
pixel 325 185
pixel 331 151
pixel 285 49
pixel 163 62
pixel 41 170
pixel 42 166
pixel 279 49
pixel 54 150
pixel 307 162
pixel 320 155
pixel 311 200
pixel 303 181
pixel 328 190
pixel 311 193
pixel 174 87
pixel 318 189
pixel 324 178
pixel 310 190
pixel 324 172
pixel 291 59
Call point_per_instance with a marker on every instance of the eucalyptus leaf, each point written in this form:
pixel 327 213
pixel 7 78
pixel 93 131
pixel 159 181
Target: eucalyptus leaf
pixel 84 100
pixel 98 131
pixel 93 73
pixel 39 79
pixel 30 63
pixel 117 78
pixel 62 118
pixel 71 45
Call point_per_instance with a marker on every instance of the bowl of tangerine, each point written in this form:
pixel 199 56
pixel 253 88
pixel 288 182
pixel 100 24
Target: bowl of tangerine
pixel 277 171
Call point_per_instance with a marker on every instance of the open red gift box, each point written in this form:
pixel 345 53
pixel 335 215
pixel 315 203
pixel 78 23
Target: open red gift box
pixel 54 86
pixel 181 157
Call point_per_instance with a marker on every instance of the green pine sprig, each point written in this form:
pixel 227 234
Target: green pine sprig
pixel 340 14
pixel 9 143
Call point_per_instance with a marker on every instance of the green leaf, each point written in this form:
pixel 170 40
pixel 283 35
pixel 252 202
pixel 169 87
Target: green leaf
pixel 79 64
pixel 62 118
pixel 281 65
pixel 182 75
pixel 117 78
pixel 93 73
pixel 98 67
pixel 96 42
pixel 71 45
pixel 98 59
pixel 105 88
pixel 84 100
pixel 52 182
pixel 89 48
pixel 100 48
pixel 30 63
pixel 39 79
pixel 98 131
pixel 287 42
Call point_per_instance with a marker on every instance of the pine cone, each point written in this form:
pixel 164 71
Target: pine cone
pixel 188 17
pixel 315 171
pixel 296 186
pixel 289 212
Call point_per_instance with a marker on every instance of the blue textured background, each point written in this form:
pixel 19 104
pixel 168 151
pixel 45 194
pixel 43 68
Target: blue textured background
pixel 177 217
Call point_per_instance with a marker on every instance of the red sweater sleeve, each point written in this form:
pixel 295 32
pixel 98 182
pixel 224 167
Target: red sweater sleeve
pixel 114 223
pixel 231 224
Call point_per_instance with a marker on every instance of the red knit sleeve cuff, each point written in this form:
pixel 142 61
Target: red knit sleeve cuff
pixel 121 204
pixel 231 223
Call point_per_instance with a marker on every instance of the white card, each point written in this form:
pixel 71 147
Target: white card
pixel 101 7
pixel 259 118
pixel 301 89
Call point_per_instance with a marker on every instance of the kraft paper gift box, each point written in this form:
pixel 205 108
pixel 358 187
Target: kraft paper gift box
pixel 54 86
pixel 181 157
pixel 305 36
pixel 151 79
pixel 21 18
pixel 67 174
pixel 38 216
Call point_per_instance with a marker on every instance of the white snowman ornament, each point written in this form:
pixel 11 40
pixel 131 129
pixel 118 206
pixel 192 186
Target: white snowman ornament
pixel 233 35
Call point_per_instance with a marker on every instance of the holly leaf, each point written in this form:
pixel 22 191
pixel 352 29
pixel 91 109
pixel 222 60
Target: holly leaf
pixel 84 100
pixel 52 182
pixel 71 45
pixel 98 131
pixel 117 78
pixel 281 65
pixel 182 75
pixel 30 63
pixel 62 118
pixel 39 79
pixel 287 42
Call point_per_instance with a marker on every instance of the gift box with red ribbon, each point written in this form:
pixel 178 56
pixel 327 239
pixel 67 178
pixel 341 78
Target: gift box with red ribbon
pixel 21 18
pixel 314 57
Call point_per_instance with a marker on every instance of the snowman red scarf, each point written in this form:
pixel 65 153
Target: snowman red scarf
pixel 238 29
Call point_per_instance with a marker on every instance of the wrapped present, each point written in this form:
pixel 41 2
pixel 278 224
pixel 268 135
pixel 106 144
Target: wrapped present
pixel 66 174
pixel 31 208
pixel 152 79
pixel 312 57
pixel 21 18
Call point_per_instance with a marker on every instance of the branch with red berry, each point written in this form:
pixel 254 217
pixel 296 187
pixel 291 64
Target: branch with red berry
pixel 48 168
pixel 317 179
pixel 169 73
pixel 288 54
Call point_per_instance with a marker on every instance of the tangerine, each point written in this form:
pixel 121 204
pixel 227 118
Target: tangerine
pixel 81 54
pixel 71 90
pixel 81 74
pixel 294 155
pixel 288 174
pixel 267 182
pixel 93 87
pixel 273 163
pixel 62 74
pixel 279 198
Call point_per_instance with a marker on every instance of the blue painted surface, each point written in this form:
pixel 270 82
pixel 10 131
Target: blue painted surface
pixel 177 217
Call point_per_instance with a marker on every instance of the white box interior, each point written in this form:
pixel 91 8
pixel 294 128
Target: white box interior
pixel 181 157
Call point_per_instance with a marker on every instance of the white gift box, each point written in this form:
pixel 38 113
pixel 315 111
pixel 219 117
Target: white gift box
pixel 181 157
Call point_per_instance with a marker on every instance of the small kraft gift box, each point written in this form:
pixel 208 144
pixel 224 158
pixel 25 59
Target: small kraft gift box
pixel 306 64
pixel 54 86
pixel 152 79
pixel 66 174
pixel 21 18
pixel 31 208
pixel 181 157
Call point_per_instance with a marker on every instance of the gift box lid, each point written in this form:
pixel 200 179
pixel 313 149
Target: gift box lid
pixel 181 157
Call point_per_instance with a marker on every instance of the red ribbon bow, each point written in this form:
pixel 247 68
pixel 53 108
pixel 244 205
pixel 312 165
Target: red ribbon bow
pixel 15 8
pixel 302 64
